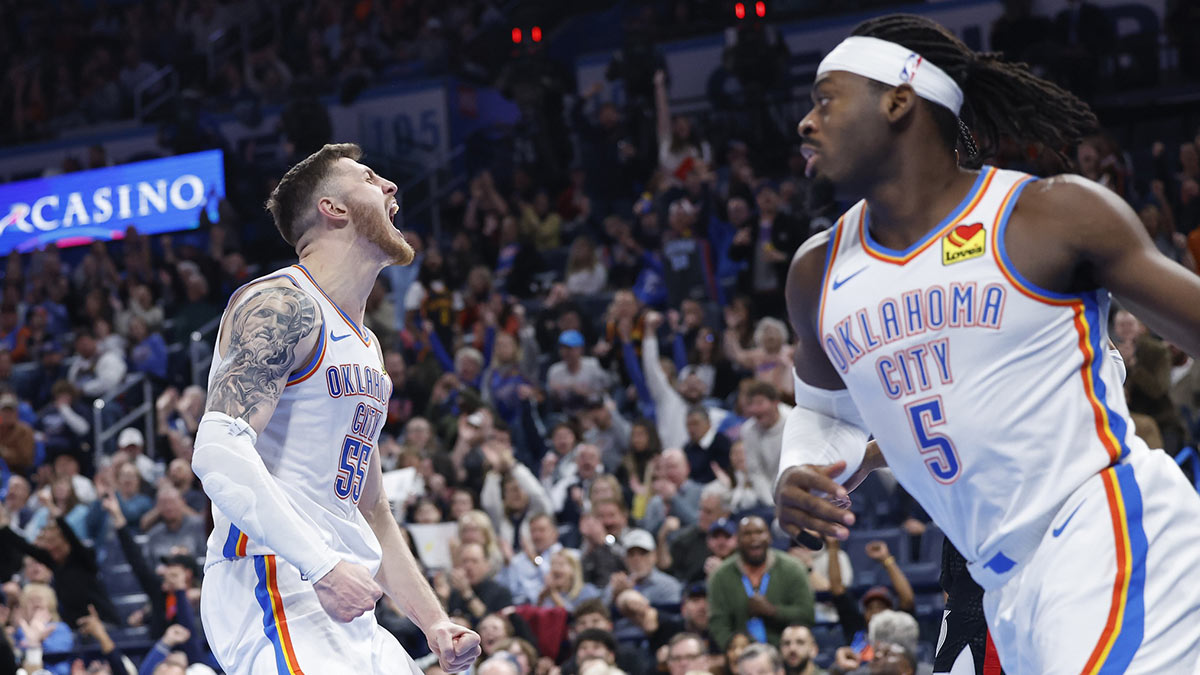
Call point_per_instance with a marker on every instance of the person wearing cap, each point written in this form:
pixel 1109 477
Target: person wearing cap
pixel 682 550
pixel 131 442
pixel 576 378
pixel 658 587
pixel 16 437
pixel 721 543
pixel 759 590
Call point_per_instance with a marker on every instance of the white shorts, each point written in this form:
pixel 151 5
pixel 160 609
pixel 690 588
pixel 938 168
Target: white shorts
pixel 1112 587
pixel 261 618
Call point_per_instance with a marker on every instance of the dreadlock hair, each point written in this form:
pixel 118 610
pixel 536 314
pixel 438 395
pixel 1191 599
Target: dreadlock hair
pixel 1000 99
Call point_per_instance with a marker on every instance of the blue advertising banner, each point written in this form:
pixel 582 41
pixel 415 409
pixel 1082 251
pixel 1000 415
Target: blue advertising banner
pixel 160 195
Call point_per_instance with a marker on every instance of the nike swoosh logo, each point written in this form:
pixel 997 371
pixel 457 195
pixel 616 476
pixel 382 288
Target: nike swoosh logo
pixel 335 338
pixel 1059 530
pixel 838 283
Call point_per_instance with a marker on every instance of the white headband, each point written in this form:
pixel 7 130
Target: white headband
pixel 893 64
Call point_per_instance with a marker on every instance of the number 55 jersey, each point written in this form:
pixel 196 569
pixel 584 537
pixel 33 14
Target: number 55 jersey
pixel 321 437
pixel 992 400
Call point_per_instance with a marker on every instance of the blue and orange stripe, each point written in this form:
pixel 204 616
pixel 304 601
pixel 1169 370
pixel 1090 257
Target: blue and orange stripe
pixel 361 333
pixel 968 204
pixel 235 543
pixel 1089 322
pixel 308 370
pixel 835 240
pixel 1124 628
pixel 274 620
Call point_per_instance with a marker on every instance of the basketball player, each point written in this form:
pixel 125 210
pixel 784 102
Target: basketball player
pixel 960 317
pixel 304 542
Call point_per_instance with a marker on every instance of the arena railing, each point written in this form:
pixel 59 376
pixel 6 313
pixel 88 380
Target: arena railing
pixel 103 432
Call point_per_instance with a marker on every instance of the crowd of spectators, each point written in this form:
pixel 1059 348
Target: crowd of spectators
pixel 590 378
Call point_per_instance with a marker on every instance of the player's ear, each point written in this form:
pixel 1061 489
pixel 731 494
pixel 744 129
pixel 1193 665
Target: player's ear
pixel 899 102
pixel 334 210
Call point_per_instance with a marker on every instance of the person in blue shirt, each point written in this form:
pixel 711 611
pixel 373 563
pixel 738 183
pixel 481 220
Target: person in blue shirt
pixel 40 626
pixel 149 352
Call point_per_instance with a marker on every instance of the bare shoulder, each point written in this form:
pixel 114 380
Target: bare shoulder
pixel 1073 203
pixel 272 327
pixel 805 274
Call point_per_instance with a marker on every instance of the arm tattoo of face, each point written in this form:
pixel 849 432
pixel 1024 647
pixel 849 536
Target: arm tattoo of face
pixel 265 331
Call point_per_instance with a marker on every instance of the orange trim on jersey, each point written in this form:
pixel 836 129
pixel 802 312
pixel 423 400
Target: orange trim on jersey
pixel 934 236
pixel 285 636
pixel 314 366
pixel 1099 411
pixel 242 542
pixel 1120 594
pixel 834 243
pixel 345 317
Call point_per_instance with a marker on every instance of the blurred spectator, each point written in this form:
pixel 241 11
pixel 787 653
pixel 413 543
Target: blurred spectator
pixel 602 531
pixel 16 437
pixel 512 495
pixel 179 472
pixel 760 659
pixel 640 573
pixel 470 589
pixel 675 494
pixel 707 451
pixel 854 623
pixel 94 373
pixel 64 421
pixel 767 250
pixel 176 528
pixel 147 351
pixel 586 273
pixel 609 431
pixel 134 503
pixel 893 639
pixel 66 467
pixel 799 650
pixel 686 653
pixel 762 436
pixel 593 615
pixel 526 574
pixel 40 628
pixel 759 591
pixel 672 397
pixel 132 444
pixel 577 378
pixel 75 573
pixel 1148 377
pixel 564 586
pixel 18 503
pixel 679 150
pixel 684 551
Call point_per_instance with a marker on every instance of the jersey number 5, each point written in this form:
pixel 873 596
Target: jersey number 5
pixel 352 469
pixel 938 450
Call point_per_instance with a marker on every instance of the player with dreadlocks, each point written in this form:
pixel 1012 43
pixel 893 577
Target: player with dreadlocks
pixel 959 316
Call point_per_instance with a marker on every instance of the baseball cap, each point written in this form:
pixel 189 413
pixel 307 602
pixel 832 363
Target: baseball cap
pixel 878 593
pixel 9 400
pixel 723 525
pixel 130 436
pixel 697 589
pixel 571 338
pixel 638 539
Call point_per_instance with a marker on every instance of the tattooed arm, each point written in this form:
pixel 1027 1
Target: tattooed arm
pixel 269 334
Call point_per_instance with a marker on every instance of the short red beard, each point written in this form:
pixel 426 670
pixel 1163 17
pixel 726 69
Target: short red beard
pixel 376 229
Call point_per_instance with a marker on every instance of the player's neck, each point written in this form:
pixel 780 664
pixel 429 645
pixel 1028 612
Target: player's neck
pixel 922 190
pixel 348 285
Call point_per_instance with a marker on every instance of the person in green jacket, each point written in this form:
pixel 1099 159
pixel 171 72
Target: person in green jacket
pixel 758 591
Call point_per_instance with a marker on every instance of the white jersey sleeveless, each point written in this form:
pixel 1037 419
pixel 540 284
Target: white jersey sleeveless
pixel 320 439
pixel 991 399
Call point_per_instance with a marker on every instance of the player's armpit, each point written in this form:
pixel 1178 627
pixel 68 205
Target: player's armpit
pixel 269 333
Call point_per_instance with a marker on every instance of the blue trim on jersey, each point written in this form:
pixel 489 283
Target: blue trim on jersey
pixel 264 601
pixel 316 357
pixel 954 215
pixel 1132 629
pixel 353 326
pixel 230 548
pixel 1096 320
pixel 1002 250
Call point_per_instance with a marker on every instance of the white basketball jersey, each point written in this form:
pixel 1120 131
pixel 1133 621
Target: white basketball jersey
pixel 320 439
pixel 992 399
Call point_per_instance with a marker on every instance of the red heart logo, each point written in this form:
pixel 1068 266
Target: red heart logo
pixel 965 232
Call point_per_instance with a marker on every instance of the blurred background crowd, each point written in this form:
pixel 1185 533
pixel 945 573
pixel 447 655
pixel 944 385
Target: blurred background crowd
pixel 590 357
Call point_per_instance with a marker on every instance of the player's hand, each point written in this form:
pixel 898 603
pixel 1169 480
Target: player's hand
pixel 456 647
pixel 803 500
pixel 347 591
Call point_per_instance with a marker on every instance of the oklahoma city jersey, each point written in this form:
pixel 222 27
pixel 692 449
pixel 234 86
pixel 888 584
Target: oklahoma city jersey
pixel 319 441
pixel 991 399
